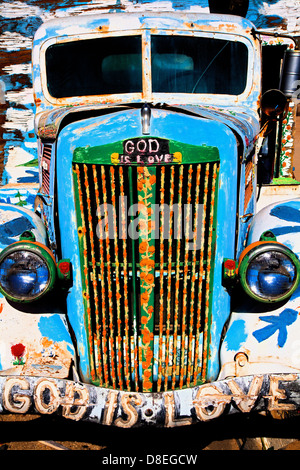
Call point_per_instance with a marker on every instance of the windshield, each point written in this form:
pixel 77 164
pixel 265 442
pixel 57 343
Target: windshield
pixel 113 65
pixel 198 65
pixel 95 67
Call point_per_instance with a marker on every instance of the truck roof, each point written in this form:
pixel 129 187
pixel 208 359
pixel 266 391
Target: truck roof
pixel 124 21
pixel 75 28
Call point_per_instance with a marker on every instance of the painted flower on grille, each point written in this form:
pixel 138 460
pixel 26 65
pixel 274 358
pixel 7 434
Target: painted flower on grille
pixel 150 310
pixel 143 247
pixel 147 263
pixel 146 193
pixel 144 298
pixel 149 279
pixel 152 179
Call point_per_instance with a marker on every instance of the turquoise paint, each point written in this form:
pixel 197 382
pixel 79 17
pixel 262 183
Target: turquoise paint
pixel 236 335
pixel 197 125
pixel 55 329
pixel 173 126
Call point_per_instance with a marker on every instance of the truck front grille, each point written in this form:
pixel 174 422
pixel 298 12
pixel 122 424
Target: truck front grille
pixel 146 237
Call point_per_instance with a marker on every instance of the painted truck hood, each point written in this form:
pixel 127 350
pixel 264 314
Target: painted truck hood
pixel 184 127
pixel 268 335
pixel 242 120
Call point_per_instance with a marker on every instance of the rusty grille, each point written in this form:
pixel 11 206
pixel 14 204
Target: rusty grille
pixel 147 299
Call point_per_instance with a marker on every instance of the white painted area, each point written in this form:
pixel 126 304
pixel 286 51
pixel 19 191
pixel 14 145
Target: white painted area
pixel 20 97
pixel 30 145
pixel 272 194
pixel 18 10
pixel 14 41
pixel 21 119
pixel 286 9
pixel 17 156
pixel 17 69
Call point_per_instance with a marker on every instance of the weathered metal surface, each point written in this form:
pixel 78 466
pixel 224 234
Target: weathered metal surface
pixel 15 220
pixel 184 351
pixel 36 343
pixel 162 123
pixel 159 349
pixel 267 337
pixel 79 401
pixel 116 24
pixel 19 21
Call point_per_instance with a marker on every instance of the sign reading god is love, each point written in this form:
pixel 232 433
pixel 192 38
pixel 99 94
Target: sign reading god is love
pixel 146 151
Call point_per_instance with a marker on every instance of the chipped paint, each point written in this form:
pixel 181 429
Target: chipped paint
pixel 25 350
pixel 236 337
pixel 40 345
pixel 131 23
pixel 270 337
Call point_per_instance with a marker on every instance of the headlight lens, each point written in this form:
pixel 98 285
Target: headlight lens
pixel 269 272
pixel 27 271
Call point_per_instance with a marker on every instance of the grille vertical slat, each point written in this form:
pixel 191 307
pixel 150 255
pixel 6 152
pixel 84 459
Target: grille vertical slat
pixel 82 232
pixel 169 277
pixel 115 277
pixel 101 319
pixel 161 277
pixel 201 271
pixel 112 332
pixel 208 276
pixel 185 279
pixel 126 280
pixel 193 277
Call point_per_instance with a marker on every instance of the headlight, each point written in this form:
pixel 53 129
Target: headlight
pixel 269 272
pixel 27 271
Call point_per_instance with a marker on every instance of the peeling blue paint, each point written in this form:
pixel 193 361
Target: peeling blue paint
pixel 54 326
pixel 236 336
pixel 55 329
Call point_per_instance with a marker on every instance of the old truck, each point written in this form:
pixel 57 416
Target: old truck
pixel 146 287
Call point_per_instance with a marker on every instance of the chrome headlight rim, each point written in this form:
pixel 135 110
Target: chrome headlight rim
pixel 251 253
pixel 46 256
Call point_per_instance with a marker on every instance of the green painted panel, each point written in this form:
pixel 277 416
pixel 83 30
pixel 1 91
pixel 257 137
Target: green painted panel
pixel 114 153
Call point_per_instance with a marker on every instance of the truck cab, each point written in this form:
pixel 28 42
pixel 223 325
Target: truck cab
pixel 147 288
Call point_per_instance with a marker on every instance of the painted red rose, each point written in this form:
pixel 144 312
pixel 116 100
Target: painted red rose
pixel 18 350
